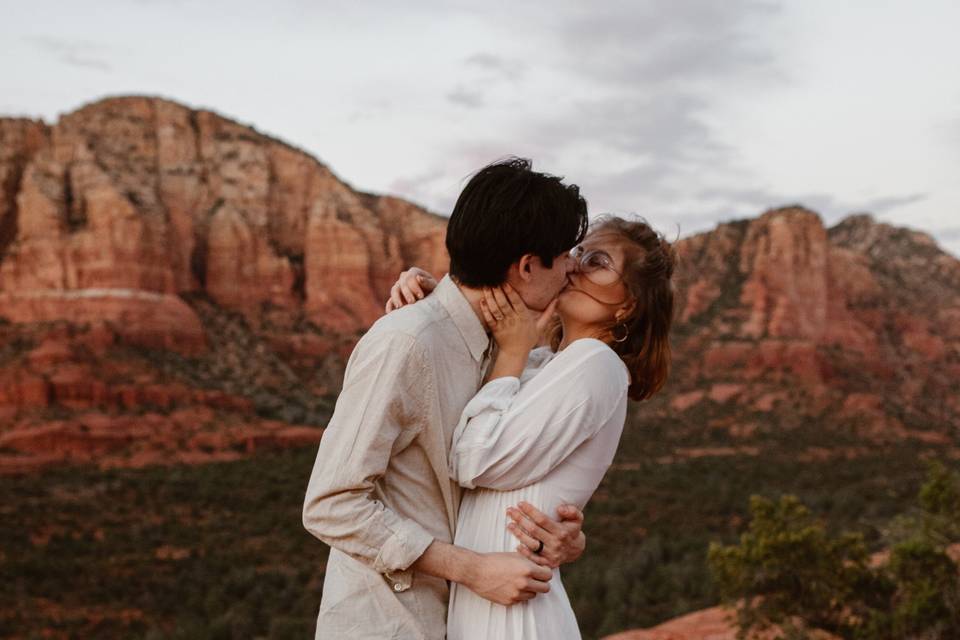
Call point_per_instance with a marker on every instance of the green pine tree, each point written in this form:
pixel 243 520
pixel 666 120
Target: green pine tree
pixel 789 571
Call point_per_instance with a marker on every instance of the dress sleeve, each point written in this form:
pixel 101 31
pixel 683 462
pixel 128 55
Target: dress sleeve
pixel 511 435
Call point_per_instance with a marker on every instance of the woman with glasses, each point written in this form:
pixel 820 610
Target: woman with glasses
pixel 545 426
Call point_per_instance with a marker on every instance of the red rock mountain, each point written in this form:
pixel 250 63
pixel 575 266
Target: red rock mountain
pixel 177 286
pixel 137 235
pixel 785 323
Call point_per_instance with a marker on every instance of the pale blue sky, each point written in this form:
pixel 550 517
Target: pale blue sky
pixel 686 111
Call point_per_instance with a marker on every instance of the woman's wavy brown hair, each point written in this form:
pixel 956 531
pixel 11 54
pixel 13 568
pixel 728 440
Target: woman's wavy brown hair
pixel 649 261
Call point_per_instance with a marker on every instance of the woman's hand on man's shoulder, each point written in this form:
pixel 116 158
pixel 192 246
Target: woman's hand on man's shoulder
pixel 412 285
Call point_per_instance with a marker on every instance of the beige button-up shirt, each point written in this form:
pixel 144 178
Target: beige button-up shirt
pixel 380 491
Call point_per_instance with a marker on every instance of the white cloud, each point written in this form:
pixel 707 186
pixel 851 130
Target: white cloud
pixel 464 97
pixel 76 53
pixel 687 112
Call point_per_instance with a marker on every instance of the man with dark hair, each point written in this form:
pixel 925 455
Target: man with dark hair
pixel 508 211
pixel 380 493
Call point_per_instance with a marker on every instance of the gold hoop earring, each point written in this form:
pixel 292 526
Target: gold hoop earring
pixel 626 333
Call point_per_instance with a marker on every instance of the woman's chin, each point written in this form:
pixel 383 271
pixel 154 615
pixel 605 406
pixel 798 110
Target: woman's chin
pixel 565 303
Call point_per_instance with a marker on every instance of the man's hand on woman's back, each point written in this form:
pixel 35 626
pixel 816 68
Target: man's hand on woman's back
pixel 563 540
pixel 504 578
pixel 508 578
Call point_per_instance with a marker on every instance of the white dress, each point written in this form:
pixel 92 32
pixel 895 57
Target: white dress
pixel 547 438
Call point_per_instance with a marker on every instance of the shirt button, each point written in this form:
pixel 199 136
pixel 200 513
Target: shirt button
pixel 398 587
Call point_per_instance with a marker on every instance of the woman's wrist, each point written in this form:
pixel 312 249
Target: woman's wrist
pixel 514 352
pixel 508 364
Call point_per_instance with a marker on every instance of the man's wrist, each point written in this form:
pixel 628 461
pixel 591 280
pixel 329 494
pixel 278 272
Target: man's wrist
pixel 450 562
pixel 466 568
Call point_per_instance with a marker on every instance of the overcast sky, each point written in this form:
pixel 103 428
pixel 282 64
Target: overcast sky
pixel 686 111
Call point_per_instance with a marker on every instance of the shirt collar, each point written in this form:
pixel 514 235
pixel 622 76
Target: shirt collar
pixel 463 316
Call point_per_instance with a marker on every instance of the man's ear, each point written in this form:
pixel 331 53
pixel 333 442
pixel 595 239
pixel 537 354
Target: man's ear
pixel 525 266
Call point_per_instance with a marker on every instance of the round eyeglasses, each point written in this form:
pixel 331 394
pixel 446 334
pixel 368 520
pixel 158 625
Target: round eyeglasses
pixel 596 265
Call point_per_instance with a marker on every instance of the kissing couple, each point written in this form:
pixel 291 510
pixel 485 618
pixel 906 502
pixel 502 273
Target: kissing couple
pixel 451 479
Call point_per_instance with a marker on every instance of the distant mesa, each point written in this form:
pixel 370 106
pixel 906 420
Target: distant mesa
pixel 177 286
pixel 127 203
pixel 156 259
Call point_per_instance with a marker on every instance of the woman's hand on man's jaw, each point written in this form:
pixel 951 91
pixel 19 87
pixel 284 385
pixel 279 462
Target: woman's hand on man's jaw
pixel 516 328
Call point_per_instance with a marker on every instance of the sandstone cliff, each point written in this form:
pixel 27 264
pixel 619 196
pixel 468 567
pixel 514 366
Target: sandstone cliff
pixel 784 324
pixel 177 286
pixel 128 203
pixel 134 231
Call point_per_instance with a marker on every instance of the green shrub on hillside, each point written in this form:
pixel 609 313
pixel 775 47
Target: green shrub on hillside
pixel 789 571
pixel 219 550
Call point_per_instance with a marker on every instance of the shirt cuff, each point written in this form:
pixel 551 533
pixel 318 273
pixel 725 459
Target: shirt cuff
pixel 498 390
pixel 407 543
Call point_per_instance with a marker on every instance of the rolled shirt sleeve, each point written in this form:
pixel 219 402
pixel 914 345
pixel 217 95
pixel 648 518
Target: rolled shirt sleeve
pixel 374 414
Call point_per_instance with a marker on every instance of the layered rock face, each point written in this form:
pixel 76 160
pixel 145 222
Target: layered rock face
pixel 781 315
pixel 122 217
pixel 133 201
pixel 157 261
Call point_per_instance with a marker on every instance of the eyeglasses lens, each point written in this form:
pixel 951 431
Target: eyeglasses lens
pixel 595 265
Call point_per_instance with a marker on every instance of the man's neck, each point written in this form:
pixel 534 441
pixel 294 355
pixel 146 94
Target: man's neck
pixel 473 296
